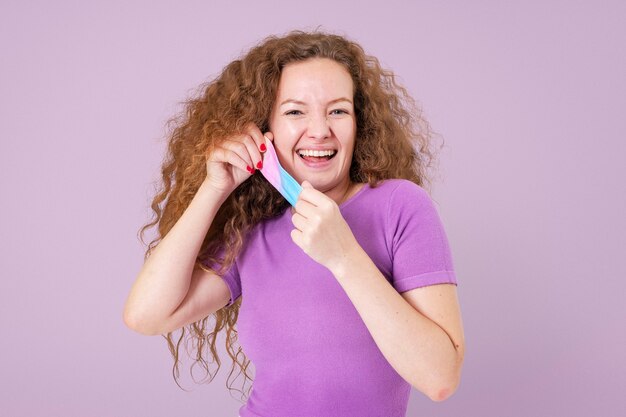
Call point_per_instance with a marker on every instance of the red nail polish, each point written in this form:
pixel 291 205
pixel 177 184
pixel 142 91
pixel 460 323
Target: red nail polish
pixel 250 170
pixel 259 165
pixel 262 147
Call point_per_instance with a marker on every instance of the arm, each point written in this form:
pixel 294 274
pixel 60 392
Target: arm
pixel 167 275
pixel 169 292
pixel 419 332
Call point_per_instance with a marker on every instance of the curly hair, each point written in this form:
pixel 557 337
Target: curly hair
pixel 393 140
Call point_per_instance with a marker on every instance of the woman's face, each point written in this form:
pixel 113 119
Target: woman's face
pixel 314 111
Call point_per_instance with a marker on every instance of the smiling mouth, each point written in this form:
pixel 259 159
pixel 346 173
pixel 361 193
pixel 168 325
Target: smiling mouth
pixel 319 158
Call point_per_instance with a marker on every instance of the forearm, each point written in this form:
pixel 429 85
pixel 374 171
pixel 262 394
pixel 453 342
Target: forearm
pixel 416 347
pixel 165 277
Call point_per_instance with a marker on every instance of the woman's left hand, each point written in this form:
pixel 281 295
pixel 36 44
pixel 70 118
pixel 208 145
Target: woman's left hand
pixel 321 231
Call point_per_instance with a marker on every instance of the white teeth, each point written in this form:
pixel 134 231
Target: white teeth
pixel 306 152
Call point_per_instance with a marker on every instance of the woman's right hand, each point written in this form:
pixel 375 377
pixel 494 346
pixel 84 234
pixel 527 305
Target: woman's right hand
pixel 227 166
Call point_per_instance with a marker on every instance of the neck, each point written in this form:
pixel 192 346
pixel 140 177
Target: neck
pixel 342 192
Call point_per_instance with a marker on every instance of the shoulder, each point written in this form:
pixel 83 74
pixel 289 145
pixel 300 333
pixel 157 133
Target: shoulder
pixel 402 191
pixel 391 195
pixel 393 184
pixel 409 203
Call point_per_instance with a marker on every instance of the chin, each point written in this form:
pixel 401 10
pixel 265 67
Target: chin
pixel 321 185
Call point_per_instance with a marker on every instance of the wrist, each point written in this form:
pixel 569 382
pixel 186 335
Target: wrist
pixel 207 189
pixel 208 193
pixel 348 261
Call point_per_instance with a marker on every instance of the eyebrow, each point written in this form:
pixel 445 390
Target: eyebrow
pixel 303 103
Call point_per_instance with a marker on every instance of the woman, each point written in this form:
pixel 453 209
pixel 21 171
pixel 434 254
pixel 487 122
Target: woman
pixel 341 313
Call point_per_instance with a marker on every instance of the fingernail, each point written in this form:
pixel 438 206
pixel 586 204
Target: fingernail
pixel 259 165
pixel 250 170
pixel 262 147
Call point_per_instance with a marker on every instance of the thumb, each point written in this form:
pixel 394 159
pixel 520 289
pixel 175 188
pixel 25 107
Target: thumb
pixel 306 184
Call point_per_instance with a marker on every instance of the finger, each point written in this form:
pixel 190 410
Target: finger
pixel 269 136
pixel 238 147
pixel 257 136
pixel 296 236
pixel 313 196
pixel 305 208
pixel 229 157
pixel 299 222
pixel 253 151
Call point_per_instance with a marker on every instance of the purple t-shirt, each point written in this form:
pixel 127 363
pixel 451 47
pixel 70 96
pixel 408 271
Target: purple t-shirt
pixel 312 353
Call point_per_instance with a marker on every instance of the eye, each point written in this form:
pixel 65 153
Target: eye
pixel 294 112
pixel 341 111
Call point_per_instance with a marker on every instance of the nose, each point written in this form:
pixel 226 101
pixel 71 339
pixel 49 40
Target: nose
pixel 318 127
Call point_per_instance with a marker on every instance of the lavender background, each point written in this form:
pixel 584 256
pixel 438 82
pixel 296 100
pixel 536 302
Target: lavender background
pixel 528 98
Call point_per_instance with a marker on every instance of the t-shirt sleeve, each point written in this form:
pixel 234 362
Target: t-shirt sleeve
pixel 231 278
pixel 419 247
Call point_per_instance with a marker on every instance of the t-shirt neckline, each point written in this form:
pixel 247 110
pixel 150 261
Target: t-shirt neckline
pixel 351 199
